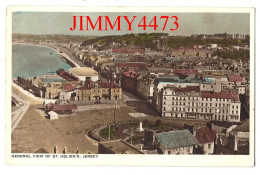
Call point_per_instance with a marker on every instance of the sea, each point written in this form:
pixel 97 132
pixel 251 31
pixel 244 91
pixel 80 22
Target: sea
pixel 32 61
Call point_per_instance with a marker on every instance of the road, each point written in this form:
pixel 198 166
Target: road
pixel 18 114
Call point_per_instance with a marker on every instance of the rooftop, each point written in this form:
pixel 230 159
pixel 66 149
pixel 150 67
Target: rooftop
pixel 222 95
pixel 68 86
pixel 67 76
pixel 176 139
pixel 235 78
pixel 243 127
pixel 186 89
pixel 131 73
pixel 205 135
pixel 104 84
pixel 83 71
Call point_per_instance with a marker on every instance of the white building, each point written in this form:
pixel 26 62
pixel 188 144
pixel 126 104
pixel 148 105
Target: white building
pixel 206 138
pixel 53 115
pixel 191 103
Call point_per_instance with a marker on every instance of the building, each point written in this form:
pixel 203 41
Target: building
pixel 206 138
pixel 110 90
pixel 240 138
pixel 175 142
pixel 99 90
pixel 117 147
pixel 189 102
pixel 84 73
pixel 63 109
pixel 53 115
pixel 145 86
pixel 66 75
pixel 53 89
pixel 129 81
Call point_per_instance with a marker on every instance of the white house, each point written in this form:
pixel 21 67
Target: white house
pixel 53 115
pixel 206 138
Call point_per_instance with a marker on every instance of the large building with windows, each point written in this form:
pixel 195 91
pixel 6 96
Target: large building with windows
pixel 191 103
pixel 99 90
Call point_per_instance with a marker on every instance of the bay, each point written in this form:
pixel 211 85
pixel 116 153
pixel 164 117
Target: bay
pixel 32 61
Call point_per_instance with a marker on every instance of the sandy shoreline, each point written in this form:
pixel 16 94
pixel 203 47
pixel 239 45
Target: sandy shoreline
pixel 64 55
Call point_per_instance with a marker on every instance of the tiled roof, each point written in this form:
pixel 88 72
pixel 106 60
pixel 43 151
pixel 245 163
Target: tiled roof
pixel 186 71
pixel 235 78
pixel 68 86
pixel 67 76
pixel 131 73
pixel 176 139
pixel 104 84
pixel 205 135
pixel 222 95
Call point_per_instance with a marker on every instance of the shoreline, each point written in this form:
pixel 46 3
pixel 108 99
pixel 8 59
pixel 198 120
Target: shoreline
pixel 69 60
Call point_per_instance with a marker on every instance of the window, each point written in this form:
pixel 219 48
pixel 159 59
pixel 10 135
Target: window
pixel 169 152
pixel 209 145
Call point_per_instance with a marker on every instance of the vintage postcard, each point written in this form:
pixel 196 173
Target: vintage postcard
pixel 134 86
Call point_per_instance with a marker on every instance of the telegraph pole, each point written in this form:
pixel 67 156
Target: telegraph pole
pixel 115 112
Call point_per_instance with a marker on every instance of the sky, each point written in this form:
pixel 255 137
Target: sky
pixel 189 23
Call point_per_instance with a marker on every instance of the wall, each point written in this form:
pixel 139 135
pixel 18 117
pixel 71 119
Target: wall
pixel 208 148
pixel 181 150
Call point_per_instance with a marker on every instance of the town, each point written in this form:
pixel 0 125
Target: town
pixel 136 94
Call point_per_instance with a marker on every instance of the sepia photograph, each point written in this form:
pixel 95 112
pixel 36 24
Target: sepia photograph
pixel 152 82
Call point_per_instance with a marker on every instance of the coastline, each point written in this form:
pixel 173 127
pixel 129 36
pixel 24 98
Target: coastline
pixel 69 60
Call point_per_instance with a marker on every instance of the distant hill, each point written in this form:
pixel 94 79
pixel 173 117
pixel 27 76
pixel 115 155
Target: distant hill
pixel 57 38
pixel 141 40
